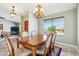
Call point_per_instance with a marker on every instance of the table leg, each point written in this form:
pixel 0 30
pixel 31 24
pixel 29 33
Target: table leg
pixel 17 44
pixel 34 51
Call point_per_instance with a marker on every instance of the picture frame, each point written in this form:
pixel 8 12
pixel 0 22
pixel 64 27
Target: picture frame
pixel 1 26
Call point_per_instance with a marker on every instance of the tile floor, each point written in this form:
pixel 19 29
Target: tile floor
pixel 66 50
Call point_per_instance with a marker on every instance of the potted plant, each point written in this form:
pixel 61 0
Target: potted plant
pixel 52 28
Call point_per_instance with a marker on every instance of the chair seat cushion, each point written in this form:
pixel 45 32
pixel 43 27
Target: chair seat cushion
pixel 22 52
pixel 40 50
pixel 57 51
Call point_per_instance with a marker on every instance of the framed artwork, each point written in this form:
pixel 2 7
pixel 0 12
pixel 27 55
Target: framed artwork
pixel 1 26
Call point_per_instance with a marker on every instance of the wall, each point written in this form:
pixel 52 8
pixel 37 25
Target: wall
pixel 32 22
pixel 6 25
pixel 78 24
pixel 70 25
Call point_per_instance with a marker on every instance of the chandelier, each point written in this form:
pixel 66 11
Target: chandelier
pixel 38 11
pixel 13 11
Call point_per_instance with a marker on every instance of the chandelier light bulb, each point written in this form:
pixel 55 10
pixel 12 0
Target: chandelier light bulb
pixel 38 11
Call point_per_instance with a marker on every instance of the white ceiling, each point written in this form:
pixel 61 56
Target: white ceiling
pixel 49 8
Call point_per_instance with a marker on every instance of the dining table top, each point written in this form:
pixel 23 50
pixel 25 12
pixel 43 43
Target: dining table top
pixel 32 40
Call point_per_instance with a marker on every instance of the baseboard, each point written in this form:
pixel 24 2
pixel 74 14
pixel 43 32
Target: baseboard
pixel 66 44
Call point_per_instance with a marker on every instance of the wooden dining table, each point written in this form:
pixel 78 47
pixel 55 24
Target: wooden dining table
pixel 31 42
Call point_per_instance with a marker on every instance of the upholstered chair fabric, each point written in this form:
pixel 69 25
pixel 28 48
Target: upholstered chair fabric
pixel 24 34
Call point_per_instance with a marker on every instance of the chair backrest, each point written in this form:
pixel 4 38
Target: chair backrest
pixel 33 33
pixel 47 33
pixel 53 39
pixel 9 44
pixel 24 34
pixel 48 44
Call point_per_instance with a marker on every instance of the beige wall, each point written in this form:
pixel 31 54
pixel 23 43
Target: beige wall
pixel 70 25
pixel 78 24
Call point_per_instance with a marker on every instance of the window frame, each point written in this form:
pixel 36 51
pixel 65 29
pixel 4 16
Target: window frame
pixel 52 22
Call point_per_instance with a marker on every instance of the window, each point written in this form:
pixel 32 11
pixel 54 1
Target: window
pixel 58 22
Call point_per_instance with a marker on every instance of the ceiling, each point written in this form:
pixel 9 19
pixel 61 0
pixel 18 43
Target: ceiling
pixel 49 8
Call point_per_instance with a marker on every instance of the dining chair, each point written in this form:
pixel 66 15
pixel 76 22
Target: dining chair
pixel 53 39
pixel 24 34
pixel 33 33
pixel 44 49
pixel 53 42
pixel 19 52
pixel 47 33
pixel 55 50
